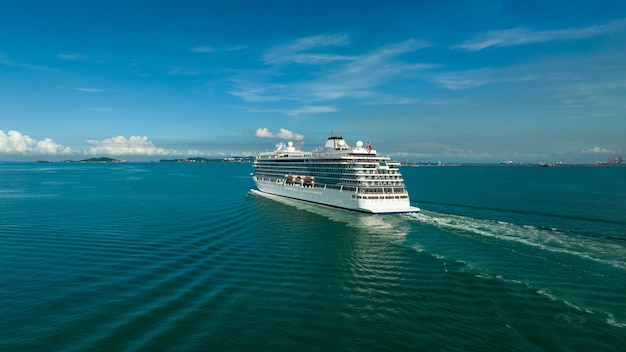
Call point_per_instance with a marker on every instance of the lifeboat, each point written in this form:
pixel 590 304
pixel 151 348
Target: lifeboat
pixel 289 178
pixel 309 180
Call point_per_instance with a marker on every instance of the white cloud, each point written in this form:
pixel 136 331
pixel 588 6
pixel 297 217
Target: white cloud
pixel 598 150
pixel 286 134
pixel 134 145
pixel 15 142
pixel 520 36
pixel 282 134
pixel 264 133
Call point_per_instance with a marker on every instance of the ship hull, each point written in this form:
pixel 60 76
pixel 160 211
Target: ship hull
pixel 335 198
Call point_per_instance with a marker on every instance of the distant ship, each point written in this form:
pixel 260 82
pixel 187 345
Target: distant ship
pixel 337 175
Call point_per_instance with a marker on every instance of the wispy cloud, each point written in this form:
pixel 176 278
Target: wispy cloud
pixel 331 76
pixel 473 78
pixel 593 81
pixel 521 36
pixel 210 49
pixel 89 90
pixel 282 134
pixel 413 101
pixel 14 142
pixel 304 110
pixel 430 150
pixel 184 71
pixel 5 61
pixel 302 50
pixel 72 57
pixel 259 92
pixel 202 49
pixel 103 109
pixel 361 76
pixel 236 48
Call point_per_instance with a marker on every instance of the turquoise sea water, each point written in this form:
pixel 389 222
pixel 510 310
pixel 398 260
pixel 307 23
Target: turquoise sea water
pixel 141 256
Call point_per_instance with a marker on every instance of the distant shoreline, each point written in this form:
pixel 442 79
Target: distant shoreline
pixel 559 165
pixel 251 159
pixel 122 161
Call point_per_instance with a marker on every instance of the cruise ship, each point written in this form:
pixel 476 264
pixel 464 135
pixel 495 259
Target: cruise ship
pixel 336 175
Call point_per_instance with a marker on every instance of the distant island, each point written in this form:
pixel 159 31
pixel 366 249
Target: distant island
pixel 610 162
pixel 96 160
pixel 181 160
pixel 206 160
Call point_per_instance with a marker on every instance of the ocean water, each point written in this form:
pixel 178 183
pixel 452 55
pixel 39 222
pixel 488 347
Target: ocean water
pixel 159 256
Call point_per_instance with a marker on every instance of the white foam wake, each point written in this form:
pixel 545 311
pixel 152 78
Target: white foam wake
pixel 551 240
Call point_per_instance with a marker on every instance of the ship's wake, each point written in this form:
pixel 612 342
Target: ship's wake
pixel 555 264
pixel 551 240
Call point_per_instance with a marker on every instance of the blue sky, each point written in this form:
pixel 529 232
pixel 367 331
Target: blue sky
pixel 456 81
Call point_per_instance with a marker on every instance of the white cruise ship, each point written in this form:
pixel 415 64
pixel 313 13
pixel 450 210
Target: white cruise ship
pixel 336 175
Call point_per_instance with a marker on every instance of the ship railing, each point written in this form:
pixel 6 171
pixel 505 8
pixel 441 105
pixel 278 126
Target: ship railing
pixel 360 187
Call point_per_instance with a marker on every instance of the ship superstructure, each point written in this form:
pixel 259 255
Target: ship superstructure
pixel 336 175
